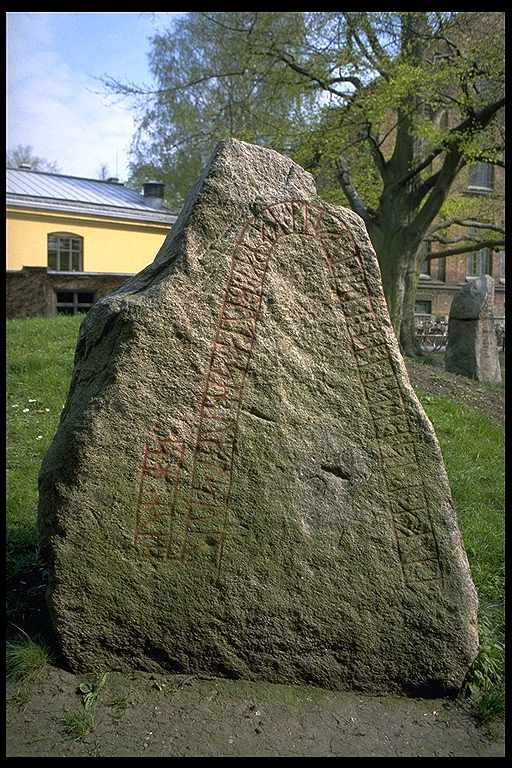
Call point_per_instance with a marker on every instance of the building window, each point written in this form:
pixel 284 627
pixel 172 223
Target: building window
pixel 73 302
pixel 65 252
pixel 481 177
pixel 478 263
pixel 425 263
pixel 499 266
pixel 441 269
pixel 423 307
pixel 444 120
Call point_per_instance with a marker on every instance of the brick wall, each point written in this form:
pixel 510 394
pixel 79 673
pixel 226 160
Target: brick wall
pixel 32 291
pixel 441 293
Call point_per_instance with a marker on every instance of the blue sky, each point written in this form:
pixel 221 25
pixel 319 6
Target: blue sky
pixel 53 100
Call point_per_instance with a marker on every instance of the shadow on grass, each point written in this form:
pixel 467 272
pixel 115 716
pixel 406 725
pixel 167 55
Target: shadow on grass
pixel 26 608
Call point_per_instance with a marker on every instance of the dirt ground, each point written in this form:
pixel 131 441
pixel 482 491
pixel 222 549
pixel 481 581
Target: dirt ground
pixel 151 715
pixel 486 399
pixel 143 714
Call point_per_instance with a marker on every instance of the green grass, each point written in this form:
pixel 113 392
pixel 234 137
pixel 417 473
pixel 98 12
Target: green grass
pixel 473 449
pixel 78 724
pixel 81 722
pixel 40 356
pixel 26 659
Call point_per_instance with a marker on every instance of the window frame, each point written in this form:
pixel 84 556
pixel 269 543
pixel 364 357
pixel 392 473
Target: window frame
pixel 499 260
pixel 441 269
pixel 426 264
pixel 77 306
pixel 444 120
pixel 425 302
pixel 483 258
pixel 61 252
pixel 481 187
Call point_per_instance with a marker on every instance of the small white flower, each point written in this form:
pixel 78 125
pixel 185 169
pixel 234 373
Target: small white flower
pixel 39 437
pixel 32 401
pixel 15 405
pixel 26 410
pixel 47 410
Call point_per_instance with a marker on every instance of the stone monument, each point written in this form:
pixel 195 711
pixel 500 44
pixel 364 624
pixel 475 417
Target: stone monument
pixel 472 349
pixel 243 482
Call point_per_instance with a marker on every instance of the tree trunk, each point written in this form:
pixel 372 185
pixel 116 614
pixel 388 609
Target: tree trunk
pixel 393 264
pixel 408 342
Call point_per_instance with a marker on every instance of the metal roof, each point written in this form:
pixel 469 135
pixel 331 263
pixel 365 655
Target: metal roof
pixel 53 191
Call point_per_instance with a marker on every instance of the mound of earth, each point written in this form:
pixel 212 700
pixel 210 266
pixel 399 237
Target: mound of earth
pixel 487 399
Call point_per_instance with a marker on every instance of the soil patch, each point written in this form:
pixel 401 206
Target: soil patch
pixel 487 399
pixel 174 716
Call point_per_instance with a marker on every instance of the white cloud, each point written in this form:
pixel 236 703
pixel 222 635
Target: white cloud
pixel 54 109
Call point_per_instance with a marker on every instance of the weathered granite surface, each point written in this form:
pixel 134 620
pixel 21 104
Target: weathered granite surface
pixel 472 349
pixel 243 481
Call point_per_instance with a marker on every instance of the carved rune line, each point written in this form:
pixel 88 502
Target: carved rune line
pixel 210 482
pixel 404 486
pixel 163 459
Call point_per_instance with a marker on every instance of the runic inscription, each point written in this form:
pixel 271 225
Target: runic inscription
pixel 155 531
pixel 394 429
pixel 207 497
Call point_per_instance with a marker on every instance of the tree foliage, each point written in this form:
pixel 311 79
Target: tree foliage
pixel 213 84
pixel 358 98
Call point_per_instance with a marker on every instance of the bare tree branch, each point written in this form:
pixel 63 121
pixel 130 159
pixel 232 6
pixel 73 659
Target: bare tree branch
pixel 350 191
pixel 242 30
pixel 377 155
pixel 133 90
pixel 324 84
pixel 453 240
pixel 466 223
pixel 470 248
pixel 452 165
pixel 376 56
pixel 423 189
pixel 388 133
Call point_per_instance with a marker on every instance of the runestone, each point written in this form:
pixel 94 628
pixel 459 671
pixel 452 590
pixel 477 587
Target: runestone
pixel 243 482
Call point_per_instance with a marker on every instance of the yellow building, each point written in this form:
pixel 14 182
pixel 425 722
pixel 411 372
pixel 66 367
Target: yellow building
pixel 72 240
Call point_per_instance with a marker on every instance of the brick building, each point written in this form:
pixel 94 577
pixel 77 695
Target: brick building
pixel 483 185
pixel 72 240
pixel 478 190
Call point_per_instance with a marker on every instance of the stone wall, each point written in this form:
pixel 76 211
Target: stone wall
pixel 32 291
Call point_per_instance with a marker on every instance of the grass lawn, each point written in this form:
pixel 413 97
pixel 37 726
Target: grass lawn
pixel 40 356
pixel 474 451
pixel 39 364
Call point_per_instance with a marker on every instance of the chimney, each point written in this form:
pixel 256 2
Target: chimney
pixel 154 193
pixel 25 166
